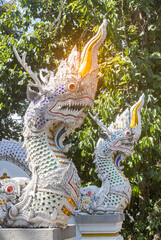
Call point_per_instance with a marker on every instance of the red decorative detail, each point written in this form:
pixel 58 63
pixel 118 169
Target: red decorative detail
pixel 123 147
pixel 9 189
pixel 89 192
pixel 127 133
pixel 71 184
pixel 51 110
pixel 68 115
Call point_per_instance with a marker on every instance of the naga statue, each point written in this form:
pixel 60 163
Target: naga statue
pixel 56 109
pixel 116 142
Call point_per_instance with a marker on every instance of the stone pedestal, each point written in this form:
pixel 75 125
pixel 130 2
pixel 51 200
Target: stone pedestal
pixel 92 227
pixel 38 233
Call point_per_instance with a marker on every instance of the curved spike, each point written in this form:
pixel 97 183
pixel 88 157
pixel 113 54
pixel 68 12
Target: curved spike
pixel 43 79
pixel 28 70
pixel 99 123
pixel 24 58
pixel 135 112
pixel 89 54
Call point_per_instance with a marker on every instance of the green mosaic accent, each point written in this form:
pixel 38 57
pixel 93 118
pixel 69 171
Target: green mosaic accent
pixel 113 200
pixel 42 156
pixel 46 202
pixel 106 167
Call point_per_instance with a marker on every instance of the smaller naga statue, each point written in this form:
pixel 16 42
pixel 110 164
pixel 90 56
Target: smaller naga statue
pixel 115 143
pixel 56 109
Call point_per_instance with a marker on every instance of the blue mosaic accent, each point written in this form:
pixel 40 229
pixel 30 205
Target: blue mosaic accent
pixel 60 90
pixel 104 144
pixel 40 121
pixel 13 149
pixel 118 161
pixel 59 135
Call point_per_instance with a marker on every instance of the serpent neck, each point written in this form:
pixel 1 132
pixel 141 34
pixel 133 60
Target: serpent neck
pixel 107 169
pixel 44 154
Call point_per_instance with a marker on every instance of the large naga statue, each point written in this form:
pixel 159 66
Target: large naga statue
pixel 54 190
pixel 49 198
pixel 116 142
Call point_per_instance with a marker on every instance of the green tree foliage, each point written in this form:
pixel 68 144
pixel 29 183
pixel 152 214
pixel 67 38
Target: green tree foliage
pixel 130 64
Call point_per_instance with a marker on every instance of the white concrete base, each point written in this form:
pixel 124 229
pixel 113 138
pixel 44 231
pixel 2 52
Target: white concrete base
pixel 38 233
pixel 95 227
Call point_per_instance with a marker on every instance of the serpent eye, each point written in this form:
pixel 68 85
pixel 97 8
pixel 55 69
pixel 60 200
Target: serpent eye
pixel 9 189
pixel 72 86
pixel 128 133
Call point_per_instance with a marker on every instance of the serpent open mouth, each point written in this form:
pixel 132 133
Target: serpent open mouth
pixel 125 144
pixel 72 107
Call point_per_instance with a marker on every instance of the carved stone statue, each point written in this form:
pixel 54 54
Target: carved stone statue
pixel 115 143
pixel 49 198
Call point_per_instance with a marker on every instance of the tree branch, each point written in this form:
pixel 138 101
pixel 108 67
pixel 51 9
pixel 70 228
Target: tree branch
pixel 124 23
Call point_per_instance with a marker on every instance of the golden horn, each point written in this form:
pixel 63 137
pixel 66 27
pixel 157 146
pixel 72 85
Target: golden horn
pixel 134 119
pixel 86 64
